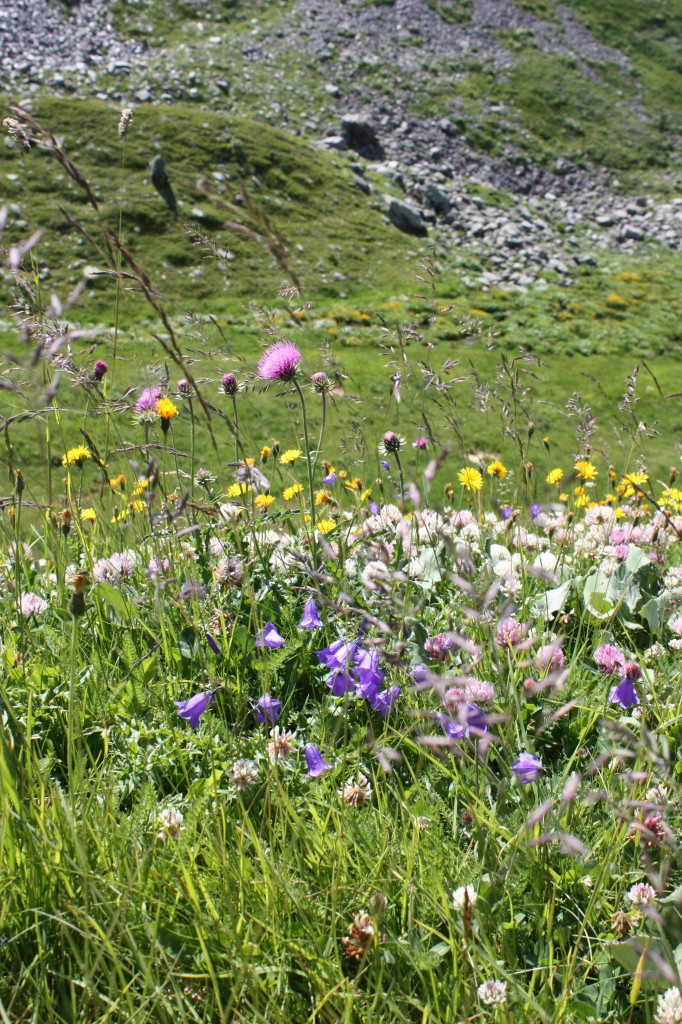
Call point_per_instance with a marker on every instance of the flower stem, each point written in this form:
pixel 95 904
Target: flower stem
pixel 311 485
pixel 236 428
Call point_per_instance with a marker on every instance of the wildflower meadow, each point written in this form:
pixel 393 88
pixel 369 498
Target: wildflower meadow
pixel 312 709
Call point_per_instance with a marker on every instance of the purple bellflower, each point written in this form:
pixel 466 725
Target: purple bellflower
pixel 267 709
pixel 526 768
pixel 192 710
pixel 624 694
pixel 384 701
pixel 316 762
pixel 311 618
pixel 269 637
pixel 212 642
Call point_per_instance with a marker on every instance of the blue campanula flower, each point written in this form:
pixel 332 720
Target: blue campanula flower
pixel 311 618
pixel 624 694
pixel 267 709
pixel 526 768
pixel 192 710
pixel 316 762
pixel 384 701
pixel 269 637
pixel 212 642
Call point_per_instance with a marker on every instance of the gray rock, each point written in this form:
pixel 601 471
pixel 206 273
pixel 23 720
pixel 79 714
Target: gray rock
pixel 438 200
pixel 404 217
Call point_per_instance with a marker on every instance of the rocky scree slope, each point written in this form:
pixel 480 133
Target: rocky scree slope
pixel 419 96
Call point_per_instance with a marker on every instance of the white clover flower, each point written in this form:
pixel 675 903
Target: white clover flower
pixel 466 894
pixel 494 993
pixel 669 1009
pixel 171 824
pixel 243 774
pixel 642 895
pixel 31 604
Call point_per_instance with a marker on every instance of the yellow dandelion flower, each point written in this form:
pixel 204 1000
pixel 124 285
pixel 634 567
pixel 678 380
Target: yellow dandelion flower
pixel 497 469
pixel 342 474
pixel 555 476
pixel 165 409
pixel 581 501
pixel 290 492
pixel 236 490
pixel 290 456
pixel 355 484
pixel 264 501
pixel 470 478
pixel 137 505
pixel 88 515
pixel 265 453
pixel 325 525
pixel 563 497
pixel 76 456
pixel 585 470
pixel 119 516
pixel 322 498
pixel 365 494
pixel 579 490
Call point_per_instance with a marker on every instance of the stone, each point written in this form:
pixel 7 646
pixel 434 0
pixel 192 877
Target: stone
pixel 437 199
pixel 404 217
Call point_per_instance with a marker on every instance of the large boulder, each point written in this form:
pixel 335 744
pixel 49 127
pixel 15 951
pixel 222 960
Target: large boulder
pixel 360 134
pixel 405 217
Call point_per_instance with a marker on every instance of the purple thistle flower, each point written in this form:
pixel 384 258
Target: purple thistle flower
pixel 269 637
pixel 526 768
pixel 212 642
pixel 267 709
pixel 384 701
pixel 420 442
pixel 311 618
pixel 624 694
pixel 316 763
pixel 329 480
pixel 148 399
pixel 228 384
pixel 192 710
pixel 279 362
pixel 100 369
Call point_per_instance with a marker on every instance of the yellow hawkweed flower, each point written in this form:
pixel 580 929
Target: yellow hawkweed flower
pixel 579 489
pixel 555 476
pixel 497 469
pixel 140 487
pixel 365 494
pixel 563 497
pixel 264 501
pixel 325 525
pixel 88 515
pixel 236 490
pixel 581 500
pixel 470 478
pixel 322 497
pixel 585 469
pixel 119 516
pixel 342 474
pixel 76 456
pixel 289 456
pixel 265 453
pixel 165 409
pixel 625 487
pixel 290 492
pixel 118 481
pixel 355 484
pixel 137 505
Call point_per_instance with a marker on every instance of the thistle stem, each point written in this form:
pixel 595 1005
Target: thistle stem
pixel 311 485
